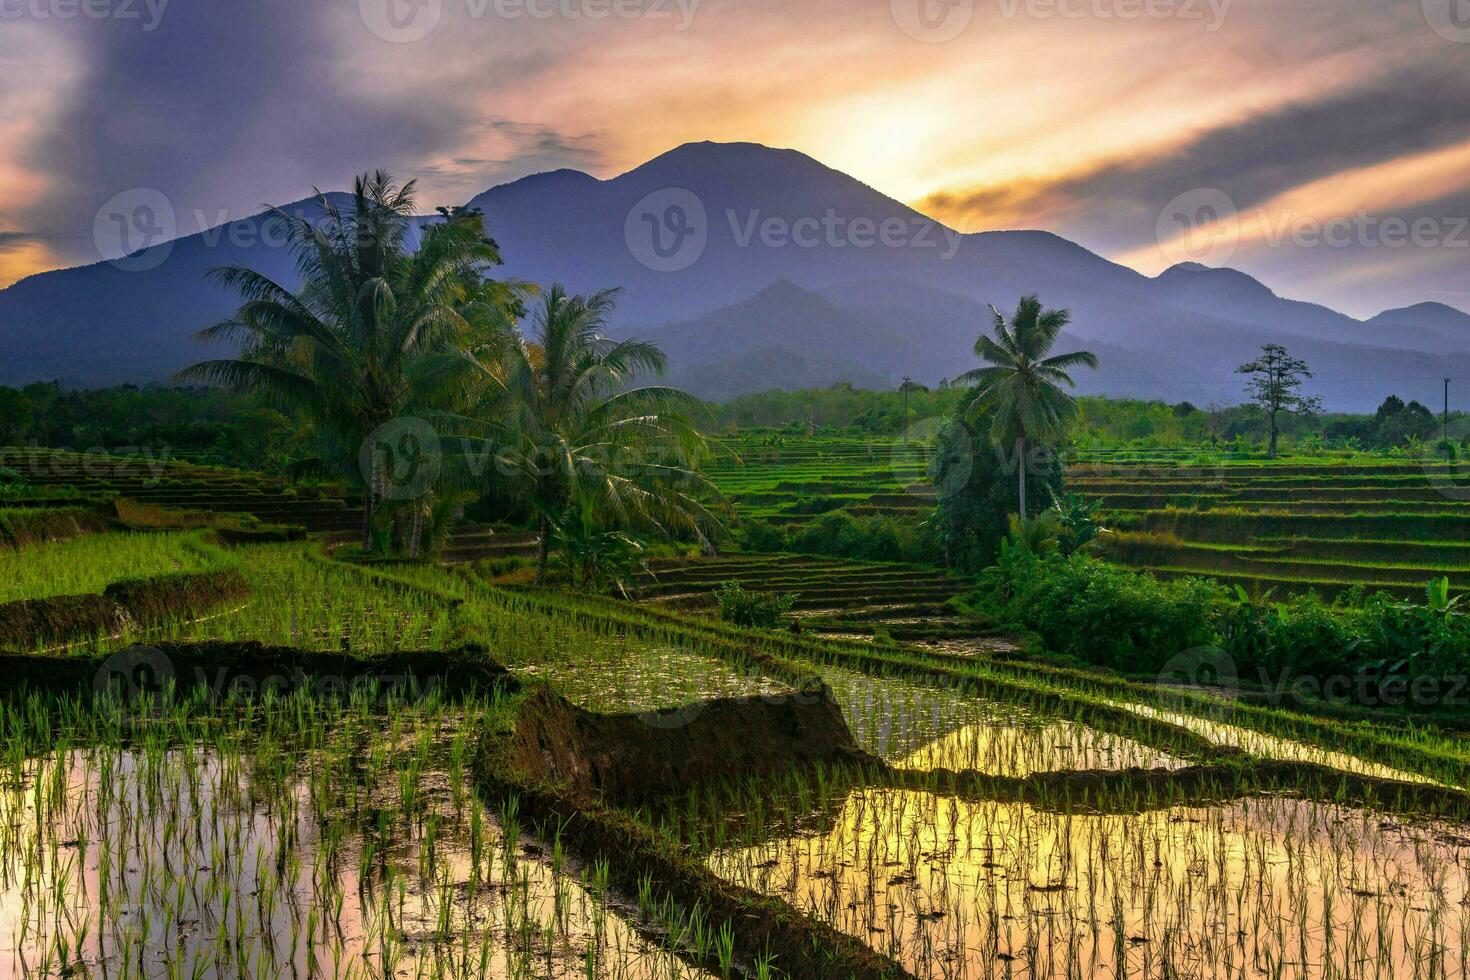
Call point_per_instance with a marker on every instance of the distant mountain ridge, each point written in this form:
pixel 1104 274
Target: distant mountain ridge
pixel 792 262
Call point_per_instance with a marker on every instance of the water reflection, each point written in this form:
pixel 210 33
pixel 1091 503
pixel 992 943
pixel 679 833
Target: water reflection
pixel 1264 887
pixel 195 862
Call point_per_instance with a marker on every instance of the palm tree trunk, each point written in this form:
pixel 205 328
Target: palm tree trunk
pixel 418 529
pixel 1021 468
pixel 543 548
pixel 368 491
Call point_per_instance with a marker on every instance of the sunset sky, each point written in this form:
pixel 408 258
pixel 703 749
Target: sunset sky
pixel 1326 126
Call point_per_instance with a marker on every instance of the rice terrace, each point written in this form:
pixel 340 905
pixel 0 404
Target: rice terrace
pixel 682 489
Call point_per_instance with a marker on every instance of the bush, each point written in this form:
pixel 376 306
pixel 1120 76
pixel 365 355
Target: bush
pixel 743 607
pixel 1100 613
pixel 765 536
pixel 1133 622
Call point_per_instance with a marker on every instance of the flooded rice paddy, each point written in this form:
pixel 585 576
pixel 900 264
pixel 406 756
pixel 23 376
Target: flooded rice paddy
pixel 916 727
pixel 1261 887
pixel 1267 746
pixel 197 862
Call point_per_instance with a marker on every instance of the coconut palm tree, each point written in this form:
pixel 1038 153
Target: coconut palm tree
pixel 574 432
pixel 344 351
pixel 1022 385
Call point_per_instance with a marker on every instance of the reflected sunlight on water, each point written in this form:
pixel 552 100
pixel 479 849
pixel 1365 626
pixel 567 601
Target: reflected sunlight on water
pixel 1263 887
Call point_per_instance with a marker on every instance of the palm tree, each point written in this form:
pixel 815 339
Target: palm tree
pixel 345 351
pixel 1022 384
pixel 577 437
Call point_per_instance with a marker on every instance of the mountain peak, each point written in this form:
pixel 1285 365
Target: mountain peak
pixel 1222 280
pixel 1435 316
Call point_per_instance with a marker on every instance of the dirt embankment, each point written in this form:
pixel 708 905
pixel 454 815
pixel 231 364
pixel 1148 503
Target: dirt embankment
pixel 19 528
pixel 250 669
pixel 636 757
pixel 28 624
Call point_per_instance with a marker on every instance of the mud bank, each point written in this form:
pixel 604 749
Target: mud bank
pixel 629 758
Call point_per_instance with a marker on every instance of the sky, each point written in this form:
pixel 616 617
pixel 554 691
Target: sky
pixel 1320 145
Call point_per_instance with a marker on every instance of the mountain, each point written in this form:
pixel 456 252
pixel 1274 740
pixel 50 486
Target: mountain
pixel 135 319
pixel 1197 287
pixel 726 251
pixel 783 337
pixel 1446 322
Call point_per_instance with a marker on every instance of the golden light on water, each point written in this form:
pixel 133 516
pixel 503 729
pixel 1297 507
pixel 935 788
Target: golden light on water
pixel 1265 887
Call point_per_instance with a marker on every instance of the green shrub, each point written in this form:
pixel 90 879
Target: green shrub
pixel 1100 613
pixel 765 536
pixel 875 538
pixel 745 607
pixel 1134 622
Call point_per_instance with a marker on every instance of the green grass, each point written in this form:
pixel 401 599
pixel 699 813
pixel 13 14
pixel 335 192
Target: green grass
pixel 89 564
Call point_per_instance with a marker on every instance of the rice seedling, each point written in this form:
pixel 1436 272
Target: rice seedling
pixel 89 564
pixel 1264 887
pixel 280 838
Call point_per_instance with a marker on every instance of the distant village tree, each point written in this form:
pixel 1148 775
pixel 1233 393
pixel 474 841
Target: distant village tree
pixel 1275 384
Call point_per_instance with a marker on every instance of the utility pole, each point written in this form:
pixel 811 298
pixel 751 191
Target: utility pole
pixel 1446 419
pixel 905 389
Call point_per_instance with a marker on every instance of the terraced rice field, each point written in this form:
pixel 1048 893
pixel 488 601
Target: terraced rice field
pixel 1011 817
pixel 164 482
pixel 1018 819
pixel 834 597
pixel 1291 524
pixel 792 481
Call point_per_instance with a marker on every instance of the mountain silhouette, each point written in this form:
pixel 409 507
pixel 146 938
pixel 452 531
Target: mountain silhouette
pixel 727 250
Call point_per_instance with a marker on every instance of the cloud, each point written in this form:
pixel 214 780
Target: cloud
pixel 223 107
pixel 1252 160
pixel 14 240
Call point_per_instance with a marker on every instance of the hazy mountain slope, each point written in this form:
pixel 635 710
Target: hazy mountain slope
pixel 1234 295
pixel 1445 322
pixel 135 320
pixel 911 292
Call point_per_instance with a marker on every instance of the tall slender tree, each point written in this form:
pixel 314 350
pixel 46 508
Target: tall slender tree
pixel 342 350
pixel 1022 384
pixel 1275 384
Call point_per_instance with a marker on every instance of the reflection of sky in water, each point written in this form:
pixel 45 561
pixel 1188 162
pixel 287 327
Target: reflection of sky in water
pixel 1260 888
pixel 917 727
pixel 1271 747
pixel 182 862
